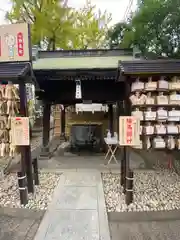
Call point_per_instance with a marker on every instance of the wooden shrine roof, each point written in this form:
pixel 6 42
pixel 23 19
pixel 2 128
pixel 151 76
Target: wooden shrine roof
pixel 14 71
pixel 81 59
pixel 149 67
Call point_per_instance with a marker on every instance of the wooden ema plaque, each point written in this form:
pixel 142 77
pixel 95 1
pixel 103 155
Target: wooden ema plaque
pixel 20 131
pixel 129 131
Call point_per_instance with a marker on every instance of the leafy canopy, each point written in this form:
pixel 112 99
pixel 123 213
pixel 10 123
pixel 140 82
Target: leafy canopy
pixel 55 25
pixel 154 28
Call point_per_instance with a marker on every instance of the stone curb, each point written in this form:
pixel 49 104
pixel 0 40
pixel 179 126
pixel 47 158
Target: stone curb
pixel 103 217
pixel 60 170
pixel 22 213
pixel 144 216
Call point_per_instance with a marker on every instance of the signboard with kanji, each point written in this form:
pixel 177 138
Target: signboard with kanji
pixel 20 131
pixel 29 92
pixel 14 43
pixel 129 131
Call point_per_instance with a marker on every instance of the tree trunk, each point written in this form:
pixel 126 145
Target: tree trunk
pixel 54 44
pixel 49 45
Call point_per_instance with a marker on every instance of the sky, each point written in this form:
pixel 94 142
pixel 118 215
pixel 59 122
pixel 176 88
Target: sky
pixel 116 7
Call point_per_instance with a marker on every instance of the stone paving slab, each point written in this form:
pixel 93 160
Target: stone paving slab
pixel 77 210
pixel 81 179
pixel 78 198
pixel 73 225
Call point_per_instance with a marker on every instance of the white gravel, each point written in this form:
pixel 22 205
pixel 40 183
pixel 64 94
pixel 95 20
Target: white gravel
pixel 9 193
pixel 153 191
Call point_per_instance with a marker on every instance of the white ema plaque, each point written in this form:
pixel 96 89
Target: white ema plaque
pixel 20 131
pixel 129 131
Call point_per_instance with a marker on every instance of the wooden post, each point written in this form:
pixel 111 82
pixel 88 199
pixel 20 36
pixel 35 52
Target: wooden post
pixel 124 157
pixel 22 188
pixel 111 122
pixel 118 114
pixel 121 112
pixel 63 123
pixel 26 161
pixel 127 149
pixel 129 187
pixel 46 130
pixel 123 169
pixel 35 167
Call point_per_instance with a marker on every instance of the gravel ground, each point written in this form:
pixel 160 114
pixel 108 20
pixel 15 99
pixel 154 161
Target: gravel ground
pixel 153 190
pixel 9 193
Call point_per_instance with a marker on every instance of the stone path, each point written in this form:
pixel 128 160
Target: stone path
pixel 77 211
pixel 19 224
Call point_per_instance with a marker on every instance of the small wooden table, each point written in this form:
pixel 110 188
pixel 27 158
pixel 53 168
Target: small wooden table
pixel 112 144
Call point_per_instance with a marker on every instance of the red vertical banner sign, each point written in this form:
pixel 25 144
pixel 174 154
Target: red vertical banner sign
pixel 129 131
pixel 20 44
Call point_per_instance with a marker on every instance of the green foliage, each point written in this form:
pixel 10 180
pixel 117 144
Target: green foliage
pixel 49 19
pixel 154 28
pixel 116 34
pixel 55 25
pixel 89 28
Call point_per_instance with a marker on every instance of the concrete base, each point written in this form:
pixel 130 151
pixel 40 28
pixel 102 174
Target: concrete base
pixel 45 153
pixel 22 213
pixel 45 157
pixel 63 137
pixel 19 223
pixel 144 216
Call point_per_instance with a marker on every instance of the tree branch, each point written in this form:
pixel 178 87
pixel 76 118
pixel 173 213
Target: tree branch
pixel 28 14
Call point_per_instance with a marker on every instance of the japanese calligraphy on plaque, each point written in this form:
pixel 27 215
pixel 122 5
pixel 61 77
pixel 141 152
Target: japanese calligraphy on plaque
pixel 129 131
pixel 20 131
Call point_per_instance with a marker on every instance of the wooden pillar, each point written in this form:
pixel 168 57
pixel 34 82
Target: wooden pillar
pixel 129 187
pixel 46 130
pixel 111 122
pixel 26 161
pixel 127 149
pixel 119 113
pixel 63 123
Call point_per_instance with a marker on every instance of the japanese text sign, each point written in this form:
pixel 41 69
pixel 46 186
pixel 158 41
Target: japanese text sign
pixel 14 43
pixel 129 131
pixel 20 131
